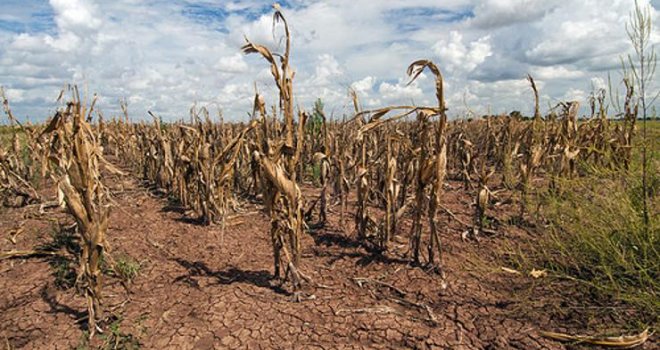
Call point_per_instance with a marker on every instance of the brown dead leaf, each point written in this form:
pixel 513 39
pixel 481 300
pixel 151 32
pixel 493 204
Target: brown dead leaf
pixel 620 342
pixel 538 273
pixel 511 271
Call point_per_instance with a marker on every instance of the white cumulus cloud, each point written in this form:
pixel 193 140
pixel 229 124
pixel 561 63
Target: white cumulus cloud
pixel 166 55
pixel 457 56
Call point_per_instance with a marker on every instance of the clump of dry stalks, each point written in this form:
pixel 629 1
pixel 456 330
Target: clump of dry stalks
pixel 18 164
pixel 424 160
pixel 75 158
pixel 278 160
pixel 432 168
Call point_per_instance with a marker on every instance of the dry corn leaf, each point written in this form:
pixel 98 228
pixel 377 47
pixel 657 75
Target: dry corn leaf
pixel 14 233
pixel 23 253
pixel 621 342
pixel 511 271
pixel 538 273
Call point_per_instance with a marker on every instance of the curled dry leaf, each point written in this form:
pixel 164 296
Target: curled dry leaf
pixel 14 233
pixel 538 273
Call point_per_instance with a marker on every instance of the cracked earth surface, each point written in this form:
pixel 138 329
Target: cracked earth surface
pixel 199 288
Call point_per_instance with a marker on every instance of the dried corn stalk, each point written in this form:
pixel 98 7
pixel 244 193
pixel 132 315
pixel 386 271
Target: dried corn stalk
pixel 282 197
pixel 75 159
pixel 432 168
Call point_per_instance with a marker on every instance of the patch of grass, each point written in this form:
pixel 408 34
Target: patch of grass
pixel 126 268
pixel 597 236
pixel 63 271
pixel 116 339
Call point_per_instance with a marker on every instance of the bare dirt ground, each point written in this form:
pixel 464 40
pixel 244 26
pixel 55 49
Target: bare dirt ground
pixel 198 288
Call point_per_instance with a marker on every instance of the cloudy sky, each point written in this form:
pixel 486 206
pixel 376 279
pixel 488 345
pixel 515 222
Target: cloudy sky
pixel 166 55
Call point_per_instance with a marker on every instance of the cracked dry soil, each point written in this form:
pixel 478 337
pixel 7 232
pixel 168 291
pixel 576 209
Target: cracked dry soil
pixel 198 288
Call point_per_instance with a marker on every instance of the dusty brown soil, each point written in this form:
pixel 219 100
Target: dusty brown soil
pixel 200 289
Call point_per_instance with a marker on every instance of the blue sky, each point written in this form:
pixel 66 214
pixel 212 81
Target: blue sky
pixel 166 55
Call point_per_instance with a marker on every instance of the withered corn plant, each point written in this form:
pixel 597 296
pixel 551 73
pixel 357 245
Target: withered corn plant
pixel 484 195
pixel 76 157
pixel 341 158
pixel 317 145
pixel 390 187
pixel 432 168
pixel 278 159
pixel 362 219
